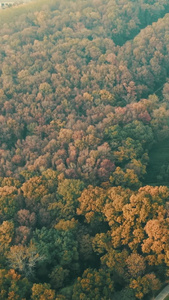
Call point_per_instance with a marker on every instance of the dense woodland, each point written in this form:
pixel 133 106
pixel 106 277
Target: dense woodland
pixel 84 119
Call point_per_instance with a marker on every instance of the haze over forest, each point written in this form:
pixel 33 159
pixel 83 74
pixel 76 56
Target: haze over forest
pixel 84 150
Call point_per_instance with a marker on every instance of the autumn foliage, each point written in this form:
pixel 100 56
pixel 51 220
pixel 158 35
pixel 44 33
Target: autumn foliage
pixel 84 108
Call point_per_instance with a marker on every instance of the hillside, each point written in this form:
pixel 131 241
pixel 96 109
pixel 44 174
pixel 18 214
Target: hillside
pixel 84 160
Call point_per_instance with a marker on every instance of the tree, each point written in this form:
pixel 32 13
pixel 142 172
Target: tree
pixel 136 265
pixel 58 277
pixel 8 202
pixel 144 285
pixel 58 248
pixel 13 286
pixel 156 242
pixel 93 285
pixel 42 292
pixel 6 236
pixel 24 259
pixel 25 218
pixel 126 178
pixel 91 202
pixel 124 294
pixel 33 189
pixel 67 194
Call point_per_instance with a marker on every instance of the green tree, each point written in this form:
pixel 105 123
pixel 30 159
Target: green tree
pixel 13 286
pixel 58 247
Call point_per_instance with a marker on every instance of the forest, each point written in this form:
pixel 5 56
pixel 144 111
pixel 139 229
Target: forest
pixel 84 150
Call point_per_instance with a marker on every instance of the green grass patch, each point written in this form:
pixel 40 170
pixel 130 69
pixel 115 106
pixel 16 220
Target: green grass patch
pixel 166 298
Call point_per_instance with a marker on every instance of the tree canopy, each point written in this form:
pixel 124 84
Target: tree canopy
pixel 84 140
